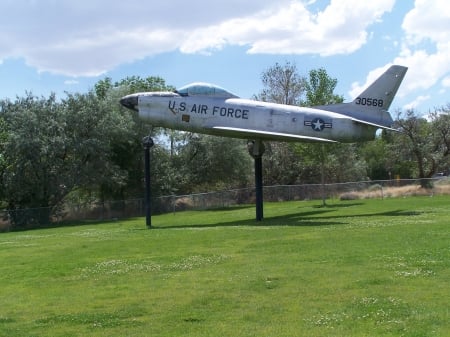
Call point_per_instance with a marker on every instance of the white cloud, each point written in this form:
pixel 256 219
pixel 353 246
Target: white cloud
pixel 341 28
pixel 71 82
pixel 446 82
pixel 427 20
pixel 425 50
pixel 416 102
pixel 79 38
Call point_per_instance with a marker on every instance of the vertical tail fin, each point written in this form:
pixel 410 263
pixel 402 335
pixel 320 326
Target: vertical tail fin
pixel 372 105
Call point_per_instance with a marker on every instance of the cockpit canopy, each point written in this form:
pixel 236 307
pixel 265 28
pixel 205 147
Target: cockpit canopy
pixel 204 89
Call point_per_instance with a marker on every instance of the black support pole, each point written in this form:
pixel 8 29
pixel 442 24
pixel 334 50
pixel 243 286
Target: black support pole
pixel 259 188
pixel 256 150
pixel 147 142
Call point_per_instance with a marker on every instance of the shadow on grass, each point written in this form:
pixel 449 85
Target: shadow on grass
pixel 230 208
pixel 342 205
pixel 319 216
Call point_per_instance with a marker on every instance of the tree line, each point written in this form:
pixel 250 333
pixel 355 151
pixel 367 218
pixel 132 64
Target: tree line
pixel 86 147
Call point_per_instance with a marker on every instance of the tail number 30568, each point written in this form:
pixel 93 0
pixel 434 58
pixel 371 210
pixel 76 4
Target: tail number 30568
pixel 369 101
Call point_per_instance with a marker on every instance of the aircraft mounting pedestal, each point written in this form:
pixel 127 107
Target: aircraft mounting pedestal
pixel 256 150
pixel 147 142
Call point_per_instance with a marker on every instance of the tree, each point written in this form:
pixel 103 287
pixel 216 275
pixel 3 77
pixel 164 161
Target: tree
pixel 34 153
pixel 319 89
pixel 139 84
pixel 127 153
pixel 440 124
pixel 331 163
pixel 3 139
pixel 56 147
pixel 377 156
pixel 211 163
pixel 282 84
pixel 282 164
pixel 426 143
pixel 131 84
pixel 415 142
pixel 101 134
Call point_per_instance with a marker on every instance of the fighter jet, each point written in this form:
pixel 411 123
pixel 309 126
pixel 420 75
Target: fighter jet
pixel 210 109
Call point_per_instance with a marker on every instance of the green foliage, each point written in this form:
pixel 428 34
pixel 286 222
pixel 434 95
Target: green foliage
pixel 3 163
pixel 424 142
pixel 35 154
pixel 138 84
pixel 55 147
pixel 320 89
pixel 371 268
pixel 130 84
pixel 101 132
pixel 330 163
pixel 282 165
pixel 413 138
pixel 344 164
pixel 102 87
pixel 378 163
pixel 440 124
pixel 86 147
pixel 209 163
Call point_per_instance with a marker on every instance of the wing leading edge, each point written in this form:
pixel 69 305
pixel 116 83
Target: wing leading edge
pixel 269 135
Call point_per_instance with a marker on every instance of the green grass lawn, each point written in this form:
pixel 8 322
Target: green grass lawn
pixel 355 268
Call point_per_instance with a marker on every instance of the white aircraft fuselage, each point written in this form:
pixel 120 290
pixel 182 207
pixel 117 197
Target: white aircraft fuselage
pixel 209 109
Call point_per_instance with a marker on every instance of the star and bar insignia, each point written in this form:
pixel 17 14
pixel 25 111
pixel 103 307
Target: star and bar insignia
pixel 318 124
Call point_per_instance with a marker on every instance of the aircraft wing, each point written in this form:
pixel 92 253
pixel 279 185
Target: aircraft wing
pixel 269 135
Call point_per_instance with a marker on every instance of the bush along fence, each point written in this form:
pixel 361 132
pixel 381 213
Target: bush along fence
pixel 98 211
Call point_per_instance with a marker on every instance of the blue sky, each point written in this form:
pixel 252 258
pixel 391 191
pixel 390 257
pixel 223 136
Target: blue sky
pixel 68 45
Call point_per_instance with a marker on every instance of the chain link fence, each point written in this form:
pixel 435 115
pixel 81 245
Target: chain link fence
pixel 111 210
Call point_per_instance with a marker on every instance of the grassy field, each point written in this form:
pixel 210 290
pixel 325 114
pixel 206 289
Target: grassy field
pixel 354 268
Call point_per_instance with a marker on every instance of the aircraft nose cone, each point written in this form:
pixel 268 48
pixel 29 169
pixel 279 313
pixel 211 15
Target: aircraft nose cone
pixel 130 102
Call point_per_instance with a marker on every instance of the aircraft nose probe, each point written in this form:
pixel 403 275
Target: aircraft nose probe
pixel 130 102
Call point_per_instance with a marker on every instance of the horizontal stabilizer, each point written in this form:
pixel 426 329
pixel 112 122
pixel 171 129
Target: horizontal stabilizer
pixel 378 126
